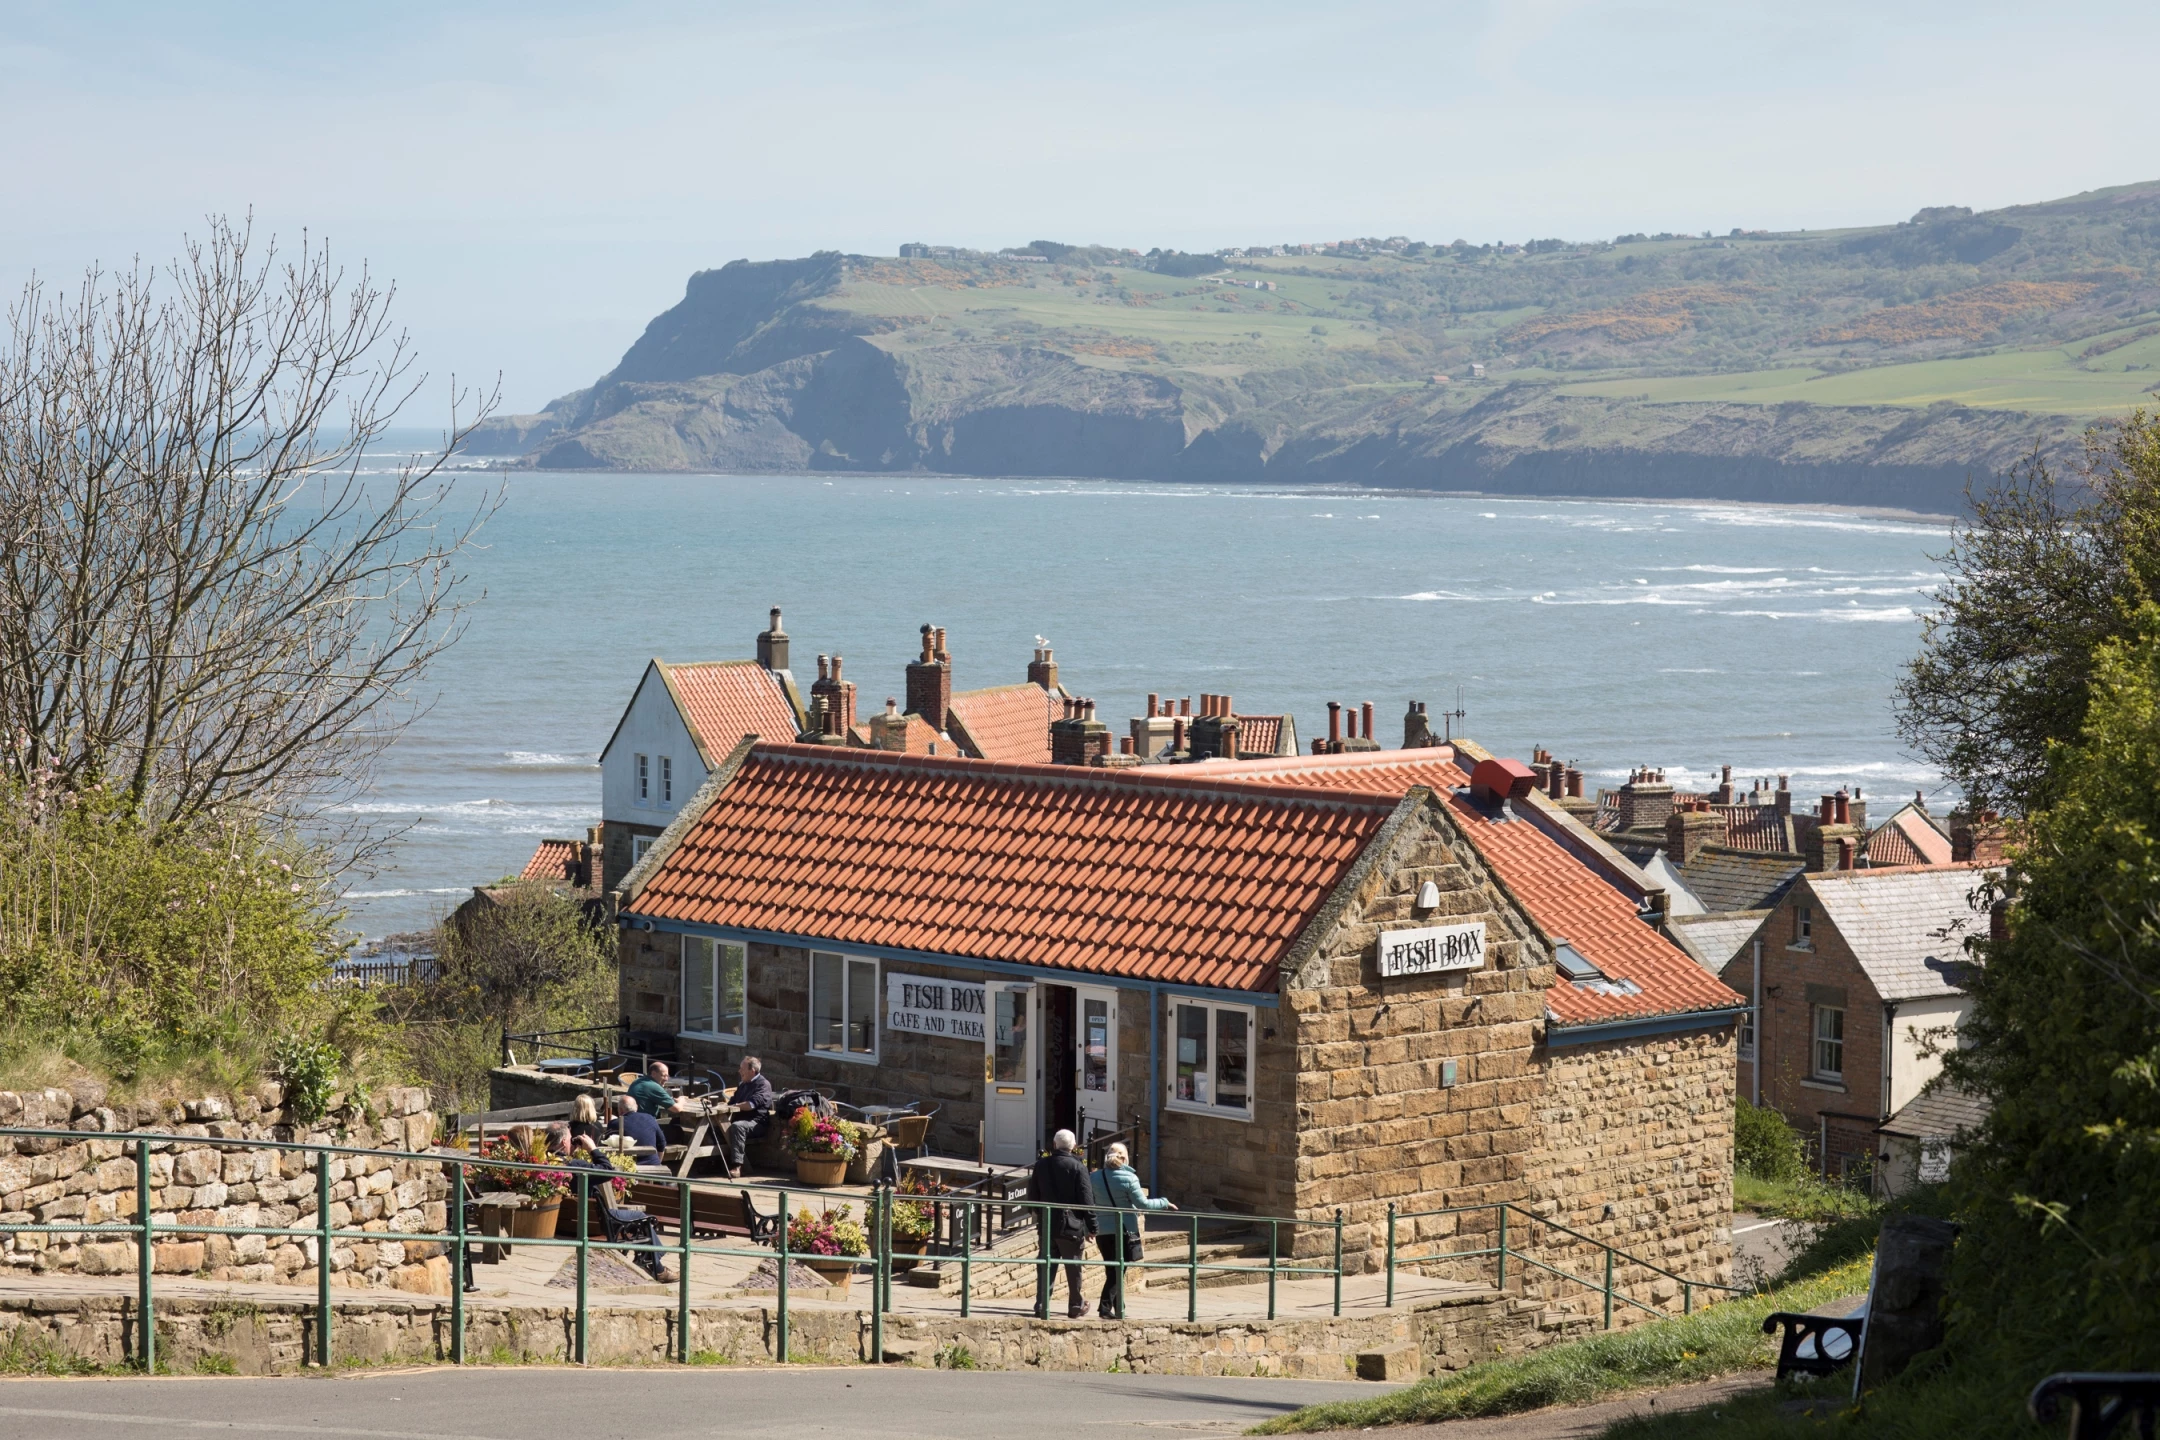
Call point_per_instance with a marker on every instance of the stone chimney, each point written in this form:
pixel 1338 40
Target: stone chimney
pixel 1078 738
pixel 1783 798
pixel 889 730
pixel 929 681
pixel 1688 830
pixel 1573 801
pixel 832 700
pixel 1645 801
pixel 1980 838
pixel 1214 734
pixel 1042 670
pixel 1723 794
pixel 1416 730
pixel 772 645
pixel 1825 842
pixel 1857 809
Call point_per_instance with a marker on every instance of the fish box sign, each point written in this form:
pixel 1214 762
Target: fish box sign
pixel 1432 949
pixel 923 1005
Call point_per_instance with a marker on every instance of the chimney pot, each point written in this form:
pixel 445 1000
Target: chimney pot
pixel 1844 853
pixel 772 645
pixel 1366 714
pixel 1574 783
pixel 1153 701
pixel 1124 745
pixel 1177 737
pixel 1334 722
pixel 892 708
pixel 1843 809
pixel 1185 706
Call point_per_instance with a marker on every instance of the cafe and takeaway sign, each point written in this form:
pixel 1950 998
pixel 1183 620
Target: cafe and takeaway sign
pixel 924 1005
pixel 1432 949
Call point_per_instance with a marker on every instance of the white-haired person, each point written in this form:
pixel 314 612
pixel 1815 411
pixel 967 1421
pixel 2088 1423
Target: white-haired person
pixel 1118 1236
pixel 1062 1177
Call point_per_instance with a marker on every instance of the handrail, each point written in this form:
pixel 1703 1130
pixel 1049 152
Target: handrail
pixel 1500 1211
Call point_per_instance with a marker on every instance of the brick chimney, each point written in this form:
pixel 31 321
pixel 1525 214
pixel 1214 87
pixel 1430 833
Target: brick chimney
pixel 1042 670
pixel 832 700
pixel 1214 734
pixel 1339 743
pixel 1825 842
pixel 1783 798
pixel 1687 831
pixel 1645 801
pixel 1980 838
pixel 772 645
pixel 1416 730
pixel 929 681
pixel 1723 793
pixel 1078 738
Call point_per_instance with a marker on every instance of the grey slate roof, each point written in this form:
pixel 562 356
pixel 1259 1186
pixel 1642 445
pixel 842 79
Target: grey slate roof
pixel 1727 880
pixel 1907 928
pixel 1714 940
pixel 1940 1109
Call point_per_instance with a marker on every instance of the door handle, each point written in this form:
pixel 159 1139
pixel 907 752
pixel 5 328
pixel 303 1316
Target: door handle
pixel 986 1069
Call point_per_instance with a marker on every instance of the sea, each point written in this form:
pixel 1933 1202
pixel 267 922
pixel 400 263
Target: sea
pixel 1616 635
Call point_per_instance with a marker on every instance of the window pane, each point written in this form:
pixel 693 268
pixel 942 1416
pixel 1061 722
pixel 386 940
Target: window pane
pixel 1095 1045
pixel 1829 1041
pixel 1232 1030
pixel 1190 1034
pixel 862 1007
pixel 1008 1051
pixel 732 969
pixel 697 961
pixel 826 1027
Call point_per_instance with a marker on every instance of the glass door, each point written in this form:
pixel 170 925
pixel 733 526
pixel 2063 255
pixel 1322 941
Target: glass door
pixel 1010 1071
pixel 1095 1061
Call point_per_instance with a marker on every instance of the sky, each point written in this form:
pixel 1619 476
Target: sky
pixel 540 179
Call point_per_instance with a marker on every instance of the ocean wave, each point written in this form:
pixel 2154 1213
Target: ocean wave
pixel 1852 613
pixel 403 894
pixel 1789 520
pixel 544 760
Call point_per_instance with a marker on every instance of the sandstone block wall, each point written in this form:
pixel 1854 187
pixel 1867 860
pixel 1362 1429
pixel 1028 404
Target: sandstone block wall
pixel 45 1180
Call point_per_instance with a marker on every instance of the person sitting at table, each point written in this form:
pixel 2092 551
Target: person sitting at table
pixel 1115 1184
pixel 750 1109
pixel 653 1096
pixel 626 1223
pixel 586 1127
pixel 640 1129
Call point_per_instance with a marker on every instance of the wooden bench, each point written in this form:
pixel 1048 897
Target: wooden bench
pixel 712 1212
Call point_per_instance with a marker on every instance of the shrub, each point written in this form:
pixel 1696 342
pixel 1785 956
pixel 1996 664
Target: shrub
pixel 1764 1146
pixel 309 1070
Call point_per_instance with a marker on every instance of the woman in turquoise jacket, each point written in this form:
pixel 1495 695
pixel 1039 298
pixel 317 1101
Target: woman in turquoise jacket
pixel 1116 1187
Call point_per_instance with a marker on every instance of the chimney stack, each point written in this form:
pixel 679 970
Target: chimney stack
pixel 1215 733
pixel 1687 831
pixel 1724 788
pixel 1783 798
pixel 1416 733
pixel 772 645
pixel 888 731
pixel 1079 738
pixel 929 681
pixel 1646 801
pixel 1979 838
pixel 1042 670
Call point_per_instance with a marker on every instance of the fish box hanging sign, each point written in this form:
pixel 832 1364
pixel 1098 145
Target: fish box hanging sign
pixel 1432 949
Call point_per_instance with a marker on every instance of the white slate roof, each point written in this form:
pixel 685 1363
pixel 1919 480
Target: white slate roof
pixel 1715 940
pixel 1907 927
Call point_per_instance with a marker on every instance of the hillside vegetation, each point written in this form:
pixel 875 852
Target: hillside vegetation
pixel 1882 364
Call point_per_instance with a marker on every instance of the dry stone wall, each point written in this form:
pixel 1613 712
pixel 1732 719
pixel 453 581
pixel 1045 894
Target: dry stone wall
pixel 47 1180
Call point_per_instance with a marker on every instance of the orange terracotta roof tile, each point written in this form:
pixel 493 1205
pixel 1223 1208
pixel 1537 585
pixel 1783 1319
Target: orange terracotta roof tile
pixel 1113 881
pixel 1009 723
pixel 1259 734
pixel 553 861
pixel 1568 900
pixel 724 700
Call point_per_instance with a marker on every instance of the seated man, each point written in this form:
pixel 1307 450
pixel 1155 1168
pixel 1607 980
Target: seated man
pixel 653 1097
pixel 641 1128
pixel 751 1107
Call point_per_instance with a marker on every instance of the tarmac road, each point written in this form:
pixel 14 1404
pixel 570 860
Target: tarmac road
pixel 767 1403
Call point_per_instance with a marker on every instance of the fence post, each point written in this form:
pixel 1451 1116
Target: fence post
pixel 1687 1298
pixel 1338 1260
pixel 322 1259
pixel 1391 1254
pixel 145 1260
pixel 1608 1287
pixel 682 1271
pixel 880 1267
pixel 1045 1272
pixel 1274 1246
pixel 1503 1247
pixel 584 1263
pixel 967 1255
pixel 458 1263
pixel 781 1353
pixel 1192 1273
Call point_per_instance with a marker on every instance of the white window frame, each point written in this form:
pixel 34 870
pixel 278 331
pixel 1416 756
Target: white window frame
pixel 1746 1037
pixel 1816 1041
pixel 641 780
pixel 667 779
pixel 1212 1008
pixel 716 953
pixel 848 978
pixel 639 844
pixel 1803 928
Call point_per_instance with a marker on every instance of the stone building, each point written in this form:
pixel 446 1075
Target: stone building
pixel 1300 984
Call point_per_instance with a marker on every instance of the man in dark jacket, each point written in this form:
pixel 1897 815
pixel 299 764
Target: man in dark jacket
pixel 750 1111
pixel 1061 1178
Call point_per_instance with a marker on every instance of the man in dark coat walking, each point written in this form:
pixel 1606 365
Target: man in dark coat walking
pixel 1061 1178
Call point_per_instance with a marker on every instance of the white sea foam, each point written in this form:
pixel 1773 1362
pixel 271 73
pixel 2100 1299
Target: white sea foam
pixel 402 894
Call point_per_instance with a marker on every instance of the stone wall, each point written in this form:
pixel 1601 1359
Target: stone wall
pixel 45 1180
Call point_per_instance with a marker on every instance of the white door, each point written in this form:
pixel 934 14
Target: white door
pixel 1095 1083
pixel 1009 1074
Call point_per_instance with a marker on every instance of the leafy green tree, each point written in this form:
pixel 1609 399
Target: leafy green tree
pixel 2045 573
pixel 2063 1233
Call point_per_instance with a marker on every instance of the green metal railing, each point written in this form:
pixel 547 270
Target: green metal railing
pixel 1500 1252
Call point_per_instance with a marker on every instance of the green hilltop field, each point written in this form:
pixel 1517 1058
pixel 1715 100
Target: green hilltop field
pixel 1886 365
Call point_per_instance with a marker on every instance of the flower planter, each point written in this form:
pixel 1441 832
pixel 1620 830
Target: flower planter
pixel 906 1254
pixel 819 1170
pixel 535 1222
pixel 837 1273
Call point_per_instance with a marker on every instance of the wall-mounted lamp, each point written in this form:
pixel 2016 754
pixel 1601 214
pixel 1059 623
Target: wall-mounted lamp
pixel 1428 896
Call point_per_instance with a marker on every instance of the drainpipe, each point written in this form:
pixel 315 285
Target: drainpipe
pixel 1154 1089
pixel 1755 1067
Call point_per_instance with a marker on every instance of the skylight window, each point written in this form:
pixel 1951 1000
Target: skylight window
pixel 1573 964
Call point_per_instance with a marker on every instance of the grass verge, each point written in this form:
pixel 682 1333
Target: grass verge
pixel 1805 1199
pixel 1702 1346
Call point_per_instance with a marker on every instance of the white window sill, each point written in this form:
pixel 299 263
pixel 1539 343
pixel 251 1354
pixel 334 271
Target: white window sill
pixel 1187 1107
pixel 1834 1086
pixel 852 1057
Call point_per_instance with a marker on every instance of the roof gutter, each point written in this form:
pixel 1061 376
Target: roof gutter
pixel 1597 1031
